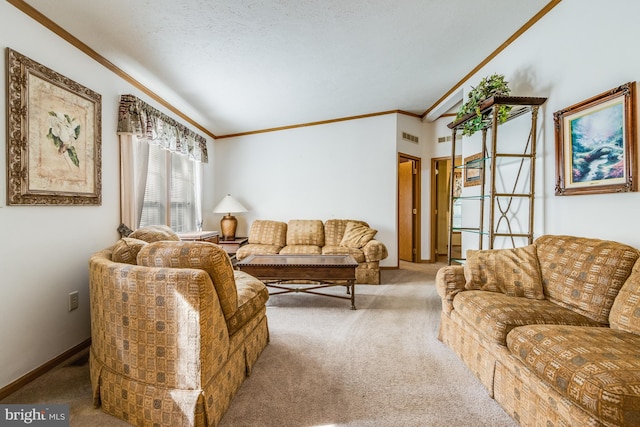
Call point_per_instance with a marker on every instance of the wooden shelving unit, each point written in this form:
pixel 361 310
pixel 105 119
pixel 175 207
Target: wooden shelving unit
pixel 499 222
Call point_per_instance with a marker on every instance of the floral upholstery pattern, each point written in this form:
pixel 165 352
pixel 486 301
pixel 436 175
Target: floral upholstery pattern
pixel 596 368
pixel 584 274
pixel 161 351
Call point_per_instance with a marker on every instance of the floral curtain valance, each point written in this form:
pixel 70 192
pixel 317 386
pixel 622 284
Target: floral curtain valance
pixel 139 118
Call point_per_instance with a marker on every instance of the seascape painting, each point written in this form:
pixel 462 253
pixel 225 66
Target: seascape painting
pixel 597 149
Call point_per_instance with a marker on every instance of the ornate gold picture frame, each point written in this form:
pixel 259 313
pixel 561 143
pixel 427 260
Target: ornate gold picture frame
pixel 596 144
pixel 53 137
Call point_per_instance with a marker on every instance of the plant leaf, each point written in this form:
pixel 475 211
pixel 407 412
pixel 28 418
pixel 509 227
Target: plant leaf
pixel 73 155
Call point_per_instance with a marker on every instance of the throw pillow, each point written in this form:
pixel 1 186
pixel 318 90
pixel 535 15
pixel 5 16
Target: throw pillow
pixel 155 233
pixel 126 250
pixel 357 235
pixel 514 272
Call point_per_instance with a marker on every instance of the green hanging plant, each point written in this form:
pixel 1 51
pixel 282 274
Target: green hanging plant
pixel 494 85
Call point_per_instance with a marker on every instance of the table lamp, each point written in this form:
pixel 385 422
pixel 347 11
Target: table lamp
pixel 228 223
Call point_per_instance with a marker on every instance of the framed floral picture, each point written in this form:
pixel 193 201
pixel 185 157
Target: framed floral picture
pixel 53 137
pixel 596 144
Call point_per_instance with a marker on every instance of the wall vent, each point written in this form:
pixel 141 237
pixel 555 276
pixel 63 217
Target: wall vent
pixel 410 137
pixel 447 138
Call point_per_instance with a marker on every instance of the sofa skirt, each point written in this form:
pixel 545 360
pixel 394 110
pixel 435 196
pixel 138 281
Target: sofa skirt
pixel 531 402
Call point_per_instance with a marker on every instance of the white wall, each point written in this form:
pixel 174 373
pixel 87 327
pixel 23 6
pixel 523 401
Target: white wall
pixel 339 170
pixel 44 250
pixel 580 49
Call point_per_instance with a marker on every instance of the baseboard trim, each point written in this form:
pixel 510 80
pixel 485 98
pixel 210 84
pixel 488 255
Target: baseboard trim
pixel 30 376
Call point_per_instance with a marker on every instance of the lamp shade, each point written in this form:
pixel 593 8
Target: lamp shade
pixel 229 205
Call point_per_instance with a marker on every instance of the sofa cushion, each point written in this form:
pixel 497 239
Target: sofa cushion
pixel 202 255
pixel 257 249
pixel 252 296
pixel 357 235
pixel 267 232
pixel 596 368
pixel 514 272
pixel 155 233
pixel 357 254
pixel 126 250
pixel 494 314
pixel 301 250
pixel 584 274
pixel 305 232
pixel 334 230
pixel 625 312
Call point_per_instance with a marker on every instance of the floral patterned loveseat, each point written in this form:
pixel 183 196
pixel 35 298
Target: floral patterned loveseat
pixel 313 237
pixel 175 329
pixel 552 330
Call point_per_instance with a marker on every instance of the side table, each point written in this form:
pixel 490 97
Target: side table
pixel 232 246
pixel 200 236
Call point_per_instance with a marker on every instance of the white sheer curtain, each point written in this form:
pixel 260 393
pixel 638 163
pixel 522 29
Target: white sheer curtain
pixel 161 168
pixel 134 161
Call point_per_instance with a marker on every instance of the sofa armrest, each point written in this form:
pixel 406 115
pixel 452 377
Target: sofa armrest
pixel 449 282
pixel 374 251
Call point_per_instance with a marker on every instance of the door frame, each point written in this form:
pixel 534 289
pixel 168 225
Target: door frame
pixel 415 223
pixel 433 193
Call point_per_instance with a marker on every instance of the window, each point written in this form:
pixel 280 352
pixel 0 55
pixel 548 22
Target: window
pixel 173 191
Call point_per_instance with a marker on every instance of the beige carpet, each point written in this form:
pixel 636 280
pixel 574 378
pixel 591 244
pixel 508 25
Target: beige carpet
pixel 326 365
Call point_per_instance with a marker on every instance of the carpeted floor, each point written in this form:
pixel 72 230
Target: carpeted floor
pixel 326 365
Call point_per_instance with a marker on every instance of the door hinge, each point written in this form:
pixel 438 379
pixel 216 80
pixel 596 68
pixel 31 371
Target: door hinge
pixel 414 251
pixel 415 171
pixel 415 211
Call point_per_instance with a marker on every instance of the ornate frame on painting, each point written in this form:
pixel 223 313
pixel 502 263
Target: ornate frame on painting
pixel 596 144
pixel 53 137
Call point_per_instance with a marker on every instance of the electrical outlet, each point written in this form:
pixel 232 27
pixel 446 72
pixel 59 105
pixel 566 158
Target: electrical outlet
pixel 73 300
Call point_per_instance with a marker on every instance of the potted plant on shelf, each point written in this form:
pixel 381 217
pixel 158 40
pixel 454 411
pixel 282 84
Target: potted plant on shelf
pixel 493 85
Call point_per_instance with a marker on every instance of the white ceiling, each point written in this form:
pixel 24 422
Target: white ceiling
pixel 238 66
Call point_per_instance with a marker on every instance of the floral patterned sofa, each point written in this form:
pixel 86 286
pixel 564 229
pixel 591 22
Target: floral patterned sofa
pixel 552 330
pixel 175 329
pixel 313 237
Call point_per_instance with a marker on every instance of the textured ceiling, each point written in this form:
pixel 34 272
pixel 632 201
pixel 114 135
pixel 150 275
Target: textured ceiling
pixel 238 66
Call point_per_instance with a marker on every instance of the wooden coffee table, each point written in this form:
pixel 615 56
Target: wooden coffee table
pixel 324 269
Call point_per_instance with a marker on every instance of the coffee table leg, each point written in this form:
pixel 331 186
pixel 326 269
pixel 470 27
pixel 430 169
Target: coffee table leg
pixel 353 294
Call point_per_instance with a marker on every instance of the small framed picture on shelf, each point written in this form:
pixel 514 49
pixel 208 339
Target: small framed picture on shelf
pixel 596 144
pixel 473 170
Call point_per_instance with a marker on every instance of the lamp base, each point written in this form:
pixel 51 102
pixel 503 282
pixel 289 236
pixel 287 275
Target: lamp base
pixel 228 225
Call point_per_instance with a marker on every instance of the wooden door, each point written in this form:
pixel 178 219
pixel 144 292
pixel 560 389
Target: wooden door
pixel 405 210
